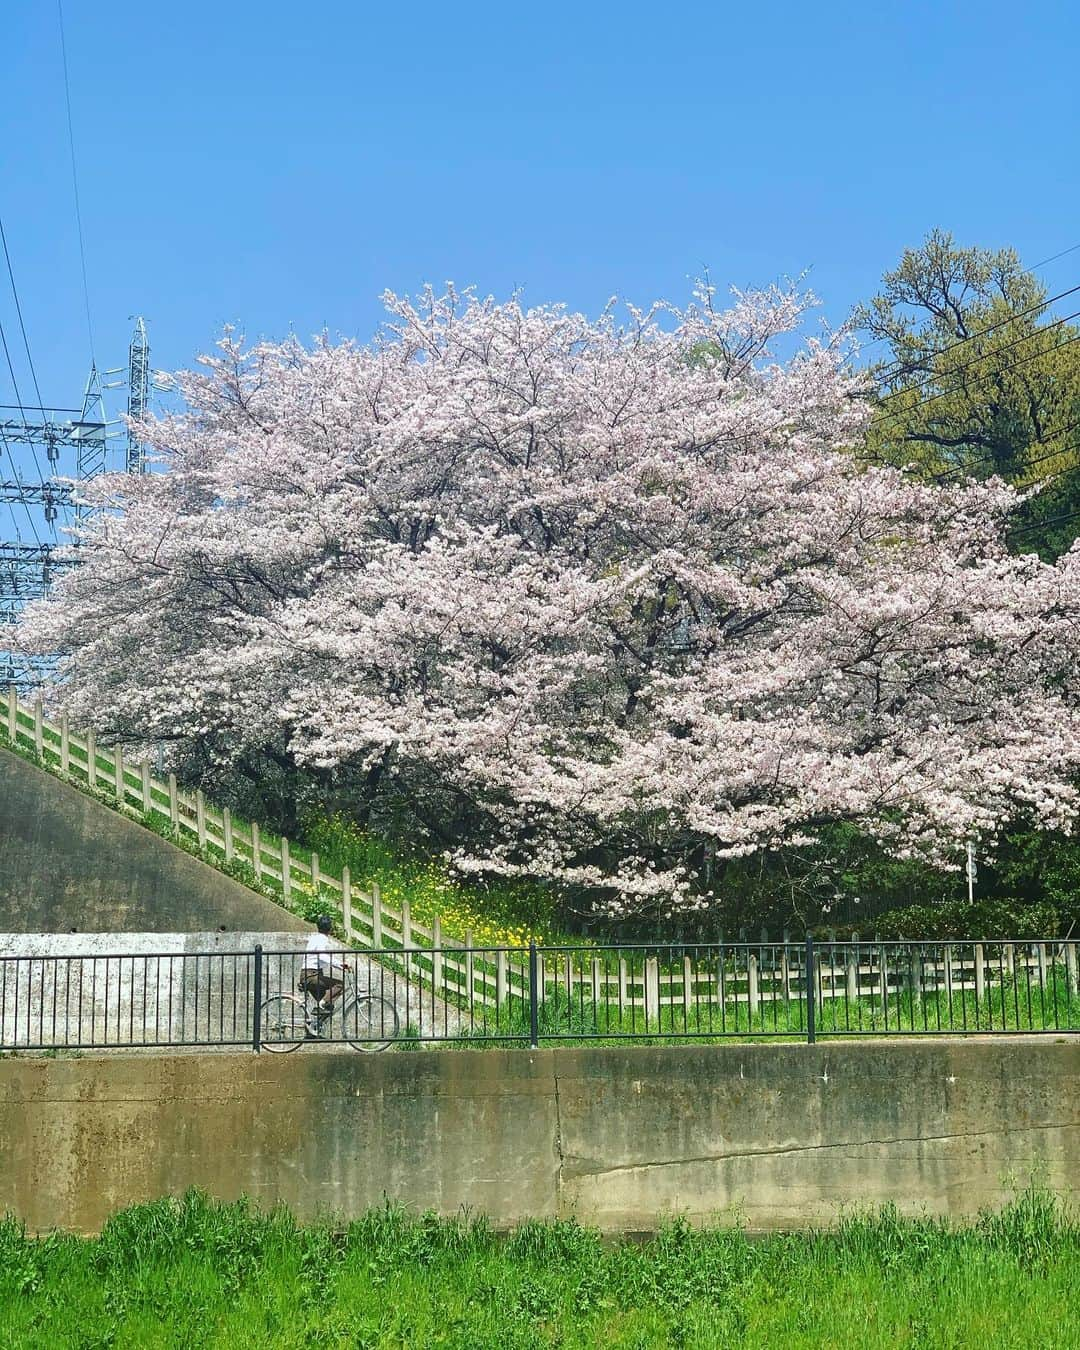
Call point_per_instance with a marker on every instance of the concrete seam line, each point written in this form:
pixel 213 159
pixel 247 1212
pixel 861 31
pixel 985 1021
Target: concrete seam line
pixel 558 1142
pixel 817 1148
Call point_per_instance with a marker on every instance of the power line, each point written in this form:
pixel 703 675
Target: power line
pixel 1044 524
pixel 1027 337
pixel 1046 261
pixel 1012 365
pixel 1063 519
pixel 11 457
pixel 960 342
pixel 1025 272
pixel 15 383
pixel 964 470
pixel 15 470
pixel 22 411
pixel 22 325
pixel 1056 477
pixel 75 180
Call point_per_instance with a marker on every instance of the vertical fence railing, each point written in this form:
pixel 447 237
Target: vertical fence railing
pixel 126 1000
pixel 549 995
pixel 810 991
pixel 257 999
pixel 534 996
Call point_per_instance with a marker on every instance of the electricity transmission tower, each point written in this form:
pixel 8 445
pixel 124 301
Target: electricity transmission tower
pixel 76 447
pixel 138 393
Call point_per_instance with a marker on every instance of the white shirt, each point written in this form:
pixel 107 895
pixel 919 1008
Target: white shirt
pixel 322 955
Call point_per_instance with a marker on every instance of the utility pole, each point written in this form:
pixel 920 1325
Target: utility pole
pixel 27 569
pixel 90 432
pixel 971 872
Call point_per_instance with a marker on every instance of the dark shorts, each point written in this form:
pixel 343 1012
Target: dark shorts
pixel 318 983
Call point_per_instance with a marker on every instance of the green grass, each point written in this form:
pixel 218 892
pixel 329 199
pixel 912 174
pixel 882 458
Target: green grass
pixel 193 1273
pixel 494 914
pixel 562 1019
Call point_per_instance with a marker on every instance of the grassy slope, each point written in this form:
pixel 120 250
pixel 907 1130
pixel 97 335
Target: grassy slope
pixel 496 915
pixel 194 1274
pixel 562 1019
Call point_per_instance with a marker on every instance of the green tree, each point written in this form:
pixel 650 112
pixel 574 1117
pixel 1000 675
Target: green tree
pixel 977 377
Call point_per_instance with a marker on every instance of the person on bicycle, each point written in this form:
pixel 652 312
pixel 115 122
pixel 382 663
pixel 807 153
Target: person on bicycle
pixel 323 972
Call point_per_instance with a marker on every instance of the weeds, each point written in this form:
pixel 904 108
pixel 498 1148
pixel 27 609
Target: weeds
pixel 192 1272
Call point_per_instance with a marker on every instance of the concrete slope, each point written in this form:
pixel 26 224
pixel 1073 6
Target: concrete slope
pixel 69 864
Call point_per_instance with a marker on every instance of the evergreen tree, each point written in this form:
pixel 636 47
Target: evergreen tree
pixel 979 378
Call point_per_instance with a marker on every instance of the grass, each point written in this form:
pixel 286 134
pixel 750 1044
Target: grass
pixel 565 1020
pixel 193 1273
pixel 492 914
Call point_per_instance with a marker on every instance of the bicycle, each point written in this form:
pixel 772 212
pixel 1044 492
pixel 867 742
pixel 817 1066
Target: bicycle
pixel 287 1021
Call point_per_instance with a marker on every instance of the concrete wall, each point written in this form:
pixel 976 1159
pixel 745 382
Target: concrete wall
pixel 786 1133
pixel 67 863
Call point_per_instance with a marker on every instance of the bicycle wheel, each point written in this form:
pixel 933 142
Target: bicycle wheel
pixel 366 1023
pixel 282 1024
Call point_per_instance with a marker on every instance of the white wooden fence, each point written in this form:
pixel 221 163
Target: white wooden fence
pixel 752 975
pixel 366 917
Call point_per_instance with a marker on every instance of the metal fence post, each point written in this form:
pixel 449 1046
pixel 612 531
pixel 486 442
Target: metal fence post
pixel 811 999
pixel 534 1000
pixel 256 1021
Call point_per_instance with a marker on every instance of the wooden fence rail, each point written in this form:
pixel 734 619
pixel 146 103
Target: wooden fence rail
pixel 748 973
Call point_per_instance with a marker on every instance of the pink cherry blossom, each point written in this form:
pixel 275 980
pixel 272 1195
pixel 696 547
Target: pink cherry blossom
pixel 605 598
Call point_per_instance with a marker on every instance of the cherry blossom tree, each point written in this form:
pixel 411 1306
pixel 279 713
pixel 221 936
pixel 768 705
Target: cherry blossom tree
pixel 598 601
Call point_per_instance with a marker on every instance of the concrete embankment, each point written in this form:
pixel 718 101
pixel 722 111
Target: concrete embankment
pixel 786 1135
pixel 70 864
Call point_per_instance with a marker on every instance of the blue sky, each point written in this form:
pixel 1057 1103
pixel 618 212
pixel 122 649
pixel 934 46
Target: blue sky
pixel 277 165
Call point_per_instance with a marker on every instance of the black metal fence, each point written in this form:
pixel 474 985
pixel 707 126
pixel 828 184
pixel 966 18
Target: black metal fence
pixel 532 996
